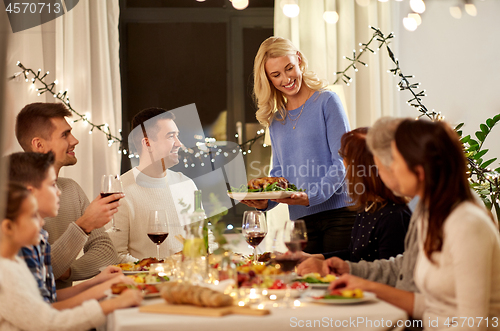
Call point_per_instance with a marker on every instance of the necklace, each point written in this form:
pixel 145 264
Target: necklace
pixel 295 120
pixel 369 207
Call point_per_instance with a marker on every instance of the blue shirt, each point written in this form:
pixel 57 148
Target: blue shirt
pixel 307 156
pixel 38 260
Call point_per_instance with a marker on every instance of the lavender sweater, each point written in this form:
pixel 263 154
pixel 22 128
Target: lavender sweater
pixel 308 155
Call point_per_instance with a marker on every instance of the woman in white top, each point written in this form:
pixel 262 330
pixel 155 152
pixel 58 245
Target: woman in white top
pixel 458 266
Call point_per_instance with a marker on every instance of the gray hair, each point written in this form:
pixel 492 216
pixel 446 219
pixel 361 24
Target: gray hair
pixel 380 136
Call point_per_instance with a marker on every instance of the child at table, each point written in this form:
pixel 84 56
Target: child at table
pixel 21 305
pixel 36 172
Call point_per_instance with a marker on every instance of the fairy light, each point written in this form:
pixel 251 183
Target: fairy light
pixel 46 87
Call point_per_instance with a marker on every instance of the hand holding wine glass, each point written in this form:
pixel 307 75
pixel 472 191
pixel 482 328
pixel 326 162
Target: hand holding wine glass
pixel 295 238
pixel 158 228
pixel 111 184
pixel 254 229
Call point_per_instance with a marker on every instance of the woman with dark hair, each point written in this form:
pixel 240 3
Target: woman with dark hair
pixel 458 267
pixel 382 218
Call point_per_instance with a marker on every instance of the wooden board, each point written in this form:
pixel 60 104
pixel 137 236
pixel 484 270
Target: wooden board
pixel 164 308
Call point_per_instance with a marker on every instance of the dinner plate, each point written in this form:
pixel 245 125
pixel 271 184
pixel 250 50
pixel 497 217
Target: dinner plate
pixel 260 195
pixel 128 272
pixel 318 285
pixel 367 296
pixel 282 292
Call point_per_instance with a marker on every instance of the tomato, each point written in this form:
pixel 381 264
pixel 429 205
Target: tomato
pixel 299 286
pixel 278 285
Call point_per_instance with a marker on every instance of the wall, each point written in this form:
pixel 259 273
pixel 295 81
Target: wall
pixel 456 61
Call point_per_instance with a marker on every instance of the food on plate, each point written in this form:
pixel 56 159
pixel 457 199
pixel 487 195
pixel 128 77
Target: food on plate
pixel 146 278
pixel 267 184
pixel 142 265
pixel 118 288
pixel 264 257
pixel 264 277
pixel 278 284
pixel 315 278
pixel 261 183
pixel 343 294
pixel 179 293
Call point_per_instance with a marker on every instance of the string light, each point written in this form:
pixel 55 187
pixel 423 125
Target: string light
pixel 377 36
pixel 63 97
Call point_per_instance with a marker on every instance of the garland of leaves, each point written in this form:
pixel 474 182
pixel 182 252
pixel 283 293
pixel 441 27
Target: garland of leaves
pixel 62 96
pixel 482 179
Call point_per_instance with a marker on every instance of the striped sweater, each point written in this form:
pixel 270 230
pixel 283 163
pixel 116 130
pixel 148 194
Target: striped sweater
pixel 68 239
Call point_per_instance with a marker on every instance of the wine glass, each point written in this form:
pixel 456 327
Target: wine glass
pixel 254 229
pixel 157 228
pixel 295 239
pixel 111 184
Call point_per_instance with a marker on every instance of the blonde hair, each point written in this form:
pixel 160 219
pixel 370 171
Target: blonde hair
pixel 268 99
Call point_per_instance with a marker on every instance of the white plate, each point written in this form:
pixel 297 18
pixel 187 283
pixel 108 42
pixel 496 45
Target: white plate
pixel 282 292
pixel 367 296
pixel 260 195
pixel 318 285
pixel 128 272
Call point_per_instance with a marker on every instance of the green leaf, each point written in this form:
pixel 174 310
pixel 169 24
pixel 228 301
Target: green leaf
pixel 487 163
pixel 480 136
pixel 490 122
pixel 465 139
pixel 484 128
pixel 496 118
pixel 473 142
pixel 458 127
pixel 487 203
pixel 480 154
pixel 497 169
pixel 473 148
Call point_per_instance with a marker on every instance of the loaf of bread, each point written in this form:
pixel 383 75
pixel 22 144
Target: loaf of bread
pixel 179 293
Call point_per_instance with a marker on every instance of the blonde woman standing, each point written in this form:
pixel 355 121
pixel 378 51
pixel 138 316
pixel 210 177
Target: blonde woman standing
pixel 305 122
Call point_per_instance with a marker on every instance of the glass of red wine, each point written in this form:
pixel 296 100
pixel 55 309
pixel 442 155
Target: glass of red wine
pixel 254 228
pixel 111 184
pixel 158 228
pixel 295 239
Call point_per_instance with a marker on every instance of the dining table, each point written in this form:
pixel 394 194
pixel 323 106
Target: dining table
pixel 369 315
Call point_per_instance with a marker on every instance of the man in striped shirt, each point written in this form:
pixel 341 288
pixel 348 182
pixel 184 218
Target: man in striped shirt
pixel 42 127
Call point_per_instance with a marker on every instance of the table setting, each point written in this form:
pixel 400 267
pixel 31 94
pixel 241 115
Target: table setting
pixel 262 291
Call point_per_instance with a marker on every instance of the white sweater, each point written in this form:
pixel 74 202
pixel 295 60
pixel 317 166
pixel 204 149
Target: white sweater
pixel 22 307
pixel 132 242
pixel 465 281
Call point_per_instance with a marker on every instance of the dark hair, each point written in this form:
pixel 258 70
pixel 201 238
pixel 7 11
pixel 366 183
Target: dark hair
pixel 144 126
pixel 361 170
pixel 29 168
pixel 16 194
pixel 34 120
pixel 436 148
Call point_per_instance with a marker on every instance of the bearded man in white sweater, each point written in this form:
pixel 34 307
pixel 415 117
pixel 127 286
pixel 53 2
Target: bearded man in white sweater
pixel 152 186
pixel 42 127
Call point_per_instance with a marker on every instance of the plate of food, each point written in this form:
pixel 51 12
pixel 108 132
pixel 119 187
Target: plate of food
pixel 263 189
pixel 342 297
pixel 132 268
pixel 148 290
pixel 314 280
pixel 146 278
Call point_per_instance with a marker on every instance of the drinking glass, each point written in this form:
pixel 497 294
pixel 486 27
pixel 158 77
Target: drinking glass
pixel 254 228
pixel 157 228
pixel 111 184
pixel 295 239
